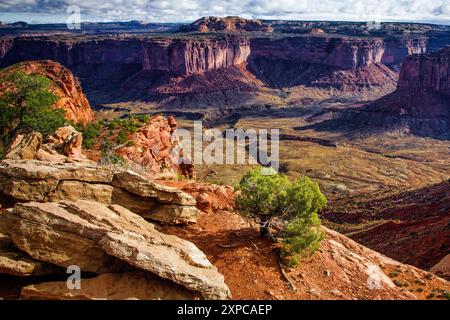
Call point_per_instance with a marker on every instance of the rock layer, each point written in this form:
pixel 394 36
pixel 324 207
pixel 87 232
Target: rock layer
pixel 101 239
pixel 31 180
pixel 110 286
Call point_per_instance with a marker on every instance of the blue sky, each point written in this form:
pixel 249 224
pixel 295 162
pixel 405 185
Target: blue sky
pixel 44 11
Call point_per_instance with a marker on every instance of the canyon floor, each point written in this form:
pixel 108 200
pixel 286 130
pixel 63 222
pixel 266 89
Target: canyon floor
pixel 379 184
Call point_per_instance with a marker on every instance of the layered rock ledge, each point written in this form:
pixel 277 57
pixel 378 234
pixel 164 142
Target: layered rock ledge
pixel 32 180
pixel 103 238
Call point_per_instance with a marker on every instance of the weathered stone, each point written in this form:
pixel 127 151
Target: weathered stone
pixel 5 240
pixel 40 170
pixel 24 146
pixel 30 190
pixel 16 263
pixel 137 184
pixel 136 285
pixel 132 202
pixel 89 234
pixel 172 214
pixel 73 190
pixel 43 181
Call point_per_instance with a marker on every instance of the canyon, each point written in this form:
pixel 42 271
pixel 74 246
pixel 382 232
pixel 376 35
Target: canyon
pixel 364 112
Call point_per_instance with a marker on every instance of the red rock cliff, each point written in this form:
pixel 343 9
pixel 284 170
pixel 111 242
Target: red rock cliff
pixel 65 86
pixel 102 62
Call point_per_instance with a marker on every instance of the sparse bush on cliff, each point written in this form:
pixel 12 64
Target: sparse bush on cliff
pixel 271 197
pixel 90 134
pixel 28 106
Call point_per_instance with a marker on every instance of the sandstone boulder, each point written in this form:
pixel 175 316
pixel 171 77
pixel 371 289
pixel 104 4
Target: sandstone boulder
pixel 16 263
pixel 106 238
pixel 109 286
pixel 63 146
pixel 45 181
pixel 24 146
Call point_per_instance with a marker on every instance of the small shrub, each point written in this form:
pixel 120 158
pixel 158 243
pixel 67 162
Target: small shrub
pixel 268 195
pixel 122 137
pixel 90 134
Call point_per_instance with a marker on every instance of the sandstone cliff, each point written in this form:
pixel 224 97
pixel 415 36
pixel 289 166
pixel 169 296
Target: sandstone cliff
pixel 64 86
pixel 421 103
pixel 322 61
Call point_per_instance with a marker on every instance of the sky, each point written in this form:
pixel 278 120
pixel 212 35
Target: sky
pixel 58 11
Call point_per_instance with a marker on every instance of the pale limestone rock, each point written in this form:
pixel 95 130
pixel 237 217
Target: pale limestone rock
pixel 73 190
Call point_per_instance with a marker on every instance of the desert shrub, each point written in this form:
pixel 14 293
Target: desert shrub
pixel 90 134
pixel 122 137
pixel 266 195
pixel 27 107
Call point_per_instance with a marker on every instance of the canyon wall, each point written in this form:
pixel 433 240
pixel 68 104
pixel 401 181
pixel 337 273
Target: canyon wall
pixel 342 53
pixel 101 62
pixel 430 71
pixel 421 103
pixel 145 64
pixel 396 49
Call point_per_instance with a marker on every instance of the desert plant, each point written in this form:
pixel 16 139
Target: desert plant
pixel 28 106
pixel 267 197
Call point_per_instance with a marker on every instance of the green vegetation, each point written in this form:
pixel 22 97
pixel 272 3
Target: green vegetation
pixel 270 198
pixel 27 107
pixel 93 131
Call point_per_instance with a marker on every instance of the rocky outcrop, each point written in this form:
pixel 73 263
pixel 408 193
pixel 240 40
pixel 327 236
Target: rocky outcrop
pixel 442 268
pixel 25 180
pixel 210 198
pixel 226 24
pixel 109 238
pixel 71 98
pixel 110 286
pixel 63 146
pixel 156 148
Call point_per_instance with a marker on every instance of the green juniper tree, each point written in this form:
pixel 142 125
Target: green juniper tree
pixel 27 106
pixel 272 197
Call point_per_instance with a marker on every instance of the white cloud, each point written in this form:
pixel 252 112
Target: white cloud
pixel 188 10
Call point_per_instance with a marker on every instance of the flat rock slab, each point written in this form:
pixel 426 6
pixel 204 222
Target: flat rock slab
pixel 32 180
pixel 97 237
pixel 109 286
pixel 16 263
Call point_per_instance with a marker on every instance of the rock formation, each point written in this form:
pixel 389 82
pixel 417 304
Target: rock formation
pixel 323 61
pixel 31 180
pixel 226 24
pixel 156 148
pixel 63 146
pixel 63 84
pixel 110 286
pixel 103 239
pixel 421 103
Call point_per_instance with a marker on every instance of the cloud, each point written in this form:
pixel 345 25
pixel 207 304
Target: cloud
pixel 189 10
